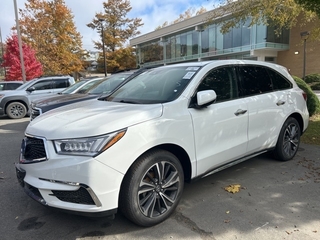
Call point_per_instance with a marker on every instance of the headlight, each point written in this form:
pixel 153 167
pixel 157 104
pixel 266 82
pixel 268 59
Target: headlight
pixel 90 146
pixel 2 95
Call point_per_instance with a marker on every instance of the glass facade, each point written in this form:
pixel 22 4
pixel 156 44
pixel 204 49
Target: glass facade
pixel 207 42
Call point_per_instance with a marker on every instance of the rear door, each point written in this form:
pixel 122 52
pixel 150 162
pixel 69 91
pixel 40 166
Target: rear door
pixel 220 129
pixel 266 107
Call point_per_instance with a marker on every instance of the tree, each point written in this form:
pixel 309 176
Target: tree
pixel 190 12
pixel 49 28
pixel 117 29
pixel 280 13
pixel 11 60
pixel 310 5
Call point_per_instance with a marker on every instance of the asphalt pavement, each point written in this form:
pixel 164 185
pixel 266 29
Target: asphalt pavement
pixel 277 200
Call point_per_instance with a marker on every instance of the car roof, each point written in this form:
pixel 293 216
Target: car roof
pixel 13 81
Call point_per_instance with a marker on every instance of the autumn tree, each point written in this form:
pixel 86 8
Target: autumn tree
pixel 190 12
pixel 310 5
pixel 49 28
pixel 11 60
pixel 117 29
pixel 279 13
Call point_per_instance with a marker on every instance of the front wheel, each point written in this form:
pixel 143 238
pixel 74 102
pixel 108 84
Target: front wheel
pixel 288 141
pixel 16 110
pixel 152 188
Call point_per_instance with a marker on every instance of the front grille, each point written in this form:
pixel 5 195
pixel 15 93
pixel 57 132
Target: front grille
pixel 32 149
pixel 81 196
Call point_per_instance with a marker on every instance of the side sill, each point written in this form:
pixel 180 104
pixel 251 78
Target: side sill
pixel 227 165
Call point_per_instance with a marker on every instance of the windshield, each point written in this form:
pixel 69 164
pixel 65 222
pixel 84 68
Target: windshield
pixel 158 85
pixel 109 84
pixel 73 87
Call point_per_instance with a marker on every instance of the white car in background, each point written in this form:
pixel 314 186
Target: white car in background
pixel 134 149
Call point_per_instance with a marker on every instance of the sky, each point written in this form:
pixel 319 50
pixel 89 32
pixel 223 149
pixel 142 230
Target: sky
pixel 152 12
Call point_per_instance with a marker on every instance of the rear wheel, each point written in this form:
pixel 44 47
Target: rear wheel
pixel 16 110
pixel 288 141
pixel 152 188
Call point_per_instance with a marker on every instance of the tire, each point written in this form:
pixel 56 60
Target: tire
pixel 16 110
pixel 152 188
pixel 288 141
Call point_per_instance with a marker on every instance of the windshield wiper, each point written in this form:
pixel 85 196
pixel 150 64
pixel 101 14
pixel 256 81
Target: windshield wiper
pixel 126 101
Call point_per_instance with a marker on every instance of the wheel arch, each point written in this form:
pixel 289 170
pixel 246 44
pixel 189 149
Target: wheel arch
pixel 176 150
pixel 299 118
pixel 15 100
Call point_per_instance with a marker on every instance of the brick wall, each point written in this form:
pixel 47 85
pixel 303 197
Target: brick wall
pixel 295 62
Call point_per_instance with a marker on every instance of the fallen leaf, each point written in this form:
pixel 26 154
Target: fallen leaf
pixel 233 188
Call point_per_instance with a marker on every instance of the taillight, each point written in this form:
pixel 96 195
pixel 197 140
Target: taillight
pixel 304 96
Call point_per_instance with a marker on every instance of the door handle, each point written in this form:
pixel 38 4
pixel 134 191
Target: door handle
pixel 280 102
pixel 240 112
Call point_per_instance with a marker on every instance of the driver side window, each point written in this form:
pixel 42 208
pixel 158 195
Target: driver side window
pixel 43 85
pixel 223 81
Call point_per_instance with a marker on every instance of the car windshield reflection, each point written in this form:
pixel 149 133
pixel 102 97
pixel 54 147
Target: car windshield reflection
pixel 155 86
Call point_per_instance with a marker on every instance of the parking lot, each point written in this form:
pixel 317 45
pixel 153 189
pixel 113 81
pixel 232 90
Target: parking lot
pixel 277 200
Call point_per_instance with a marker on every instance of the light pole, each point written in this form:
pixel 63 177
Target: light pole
pixel 104 53
pixel 19 42
pixel 304 36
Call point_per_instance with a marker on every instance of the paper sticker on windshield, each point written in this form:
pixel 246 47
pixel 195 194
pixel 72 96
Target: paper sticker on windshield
pixel 192 68
pixel 188 75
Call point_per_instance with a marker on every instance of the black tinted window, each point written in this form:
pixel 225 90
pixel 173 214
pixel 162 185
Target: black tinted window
pixel 43 85
pixel 279 82
pixel 222 81
pixel 60 83
pixel 12 86
pixel 254 80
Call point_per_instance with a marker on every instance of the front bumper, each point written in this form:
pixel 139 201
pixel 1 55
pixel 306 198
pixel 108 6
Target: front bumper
pixel 82 186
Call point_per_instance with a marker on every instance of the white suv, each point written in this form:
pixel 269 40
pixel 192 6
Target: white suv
pixel 135 148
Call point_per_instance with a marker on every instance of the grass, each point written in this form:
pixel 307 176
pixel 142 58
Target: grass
pixel 312 135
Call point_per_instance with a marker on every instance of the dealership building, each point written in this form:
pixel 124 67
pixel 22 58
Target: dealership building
pixel 194 39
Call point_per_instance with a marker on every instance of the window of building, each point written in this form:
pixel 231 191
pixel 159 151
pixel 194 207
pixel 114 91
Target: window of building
pixel 183 44
pixel 195 42
pixel 205 41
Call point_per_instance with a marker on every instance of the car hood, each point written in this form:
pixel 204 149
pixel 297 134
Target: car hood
pixel 59 99
pixel 91 118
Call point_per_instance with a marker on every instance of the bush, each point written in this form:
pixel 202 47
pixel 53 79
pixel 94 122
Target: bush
pixel 313 102
pixel 315 86
pixel 312 78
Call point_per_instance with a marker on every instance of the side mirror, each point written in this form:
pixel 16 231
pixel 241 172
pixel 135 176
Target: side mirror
pixel 206 98
pixel 31 89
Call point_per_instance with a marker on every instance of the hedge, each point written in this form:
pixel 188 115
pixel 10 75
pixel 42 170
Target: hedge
pixel 312 78
pixel 313 102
